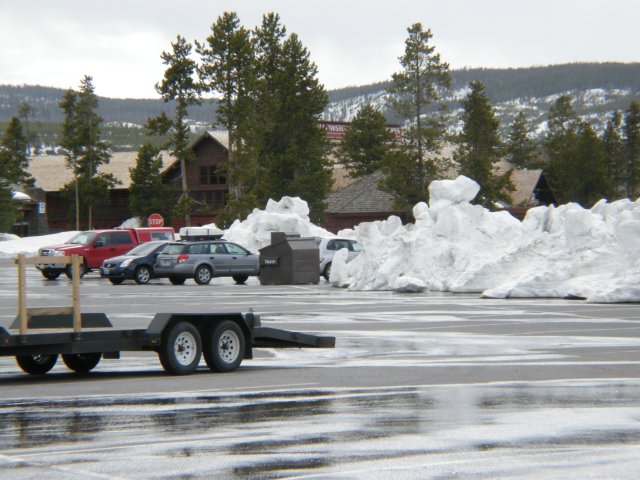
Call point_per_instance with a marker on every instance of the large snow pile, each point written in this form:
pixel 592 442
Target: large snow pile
pixel 459 247
pixel 289 215
pixel 31 245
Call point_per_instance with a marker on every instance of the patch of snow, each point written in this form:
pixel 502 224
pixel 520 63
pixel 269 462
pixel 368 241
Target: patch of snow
pixel 289 215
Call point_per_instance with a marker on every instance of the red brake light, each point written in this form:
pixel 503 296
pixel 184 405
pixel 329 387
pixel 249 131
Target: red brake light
pixel 183 257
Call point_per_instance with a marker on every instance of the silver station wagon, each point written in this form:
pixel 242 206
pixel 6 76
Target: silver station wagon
pixel 204 260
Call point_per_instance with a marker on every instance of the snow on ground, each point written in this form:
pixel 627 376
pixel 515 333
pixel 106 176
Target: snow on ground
pixel 459 247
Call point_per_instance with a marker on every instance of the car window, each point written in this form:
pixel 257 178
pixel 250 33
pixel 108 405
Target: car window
pixel 236 249
pixel 199 249
pixel 357 247
pixel 218 248
pixel 120 238
pixel 173 249
pixel 82 238
pixel 103 240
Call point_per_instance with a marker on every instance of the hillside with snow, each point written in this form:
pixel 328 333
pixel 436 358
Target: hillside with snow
pixel 598 90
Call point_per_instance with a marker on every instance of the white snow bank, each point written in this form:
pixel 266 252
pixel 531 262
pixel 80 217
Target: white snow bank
pixel 456 246
pixel 289 215
pixel 31 245
pixel 459 247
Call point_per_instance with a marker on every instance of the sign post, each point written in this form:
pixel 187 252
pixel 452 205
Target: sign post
pixel 155 220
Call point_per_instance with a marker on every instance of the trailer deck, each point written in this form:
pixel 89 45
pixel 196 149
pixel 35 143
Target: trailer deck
pixel 38 336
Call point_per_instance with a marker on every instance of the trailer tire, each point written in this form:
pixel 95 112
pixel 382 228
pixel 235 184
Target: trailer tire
pixel 181 349
pixel 142 275
pixel 203 275
pixel 81 362
pixel 177 280
pixel 36 364
pixel 50 275
pixel 224 346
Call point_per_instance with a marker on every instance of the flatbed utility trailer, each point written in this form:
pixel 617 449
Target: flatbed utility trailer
pixel 39 335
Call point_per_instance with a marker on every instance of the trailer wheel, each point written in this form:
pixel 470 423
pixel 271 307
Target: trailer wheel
pixel 142 275
pixel 50 274
pixel 36 364
pixel 203 275
pixel 81 362
pixel 224 347
pixel 177 280
pixel 181 349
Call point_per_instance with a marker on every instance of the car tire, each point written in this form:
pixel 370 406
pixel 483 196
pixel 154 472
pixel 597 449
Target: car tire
pixel 327 271
pixel 116 281
pixel 81 362
pixel 177 280
pixel 181 349
pixel 36 364
pixel 142 275
pixel 49 275
pixel 82 267
pixel 224 346
pixel 203 275
pixel 240 279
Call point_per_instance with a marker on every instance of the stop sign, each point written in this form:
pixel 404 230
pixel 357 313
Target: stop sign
pixel 155 220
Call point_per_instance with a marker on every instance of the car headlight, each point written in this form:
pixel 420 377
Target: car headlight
pixel 126 263
pixel 57 253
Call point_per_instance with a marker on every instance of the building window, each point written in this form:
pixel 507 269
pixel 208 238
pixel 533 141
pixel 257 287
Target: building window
pixel 210 175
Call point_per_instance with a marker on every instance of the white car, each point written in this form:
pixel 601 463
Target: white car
pixel 329 246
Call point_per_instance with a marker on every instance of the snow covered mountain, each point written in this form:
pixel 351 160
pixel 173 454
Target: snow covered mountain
pixel 597 89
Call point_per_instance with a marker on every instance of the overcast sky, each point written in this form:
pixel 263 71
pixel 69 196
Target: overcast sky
pixel 353 42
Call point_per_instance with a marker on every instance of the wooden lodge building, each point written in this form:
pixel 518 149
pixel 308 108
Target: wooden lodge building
pixel 352 202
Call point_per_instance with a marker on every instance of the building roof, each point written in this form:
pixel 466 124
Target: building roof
pixel 365 196
pixel 525 182
pixel 51 173
pixel 361 196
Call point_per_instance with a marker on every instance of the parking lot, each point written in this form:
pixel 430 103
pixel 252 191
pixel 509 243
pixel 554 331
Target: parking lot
pixel 426 385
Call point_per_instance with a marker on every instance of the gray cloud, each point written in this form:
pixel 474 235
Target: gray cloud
pixel 353 42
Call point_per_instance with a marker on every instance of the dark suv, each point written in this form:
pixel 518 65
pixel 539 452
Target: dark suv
pixel 204 260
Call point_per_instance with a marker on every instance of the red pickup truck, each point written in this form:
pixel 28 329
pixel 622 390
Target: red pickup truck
pixel 97 245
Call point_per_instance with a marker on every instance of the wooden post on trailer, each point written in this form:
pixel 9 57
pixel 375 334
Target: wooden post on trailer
pixel 22 293
pixel 75 293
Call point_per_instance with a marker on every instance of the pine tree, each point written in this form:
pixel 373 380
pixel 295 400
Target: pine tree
pixel 227 68
pixel 290 147
pixel 85 151
pixel 590 177
pixel 631 129
pixel 614 154
pixel 147 192
pixel 521 148
pixel 414 89
pixel 560 145
pixel 14 161
pixel 179 85
pixel 8 208
pixel 366 142
pixel 577 163
pixel 479 148
pixel 25 113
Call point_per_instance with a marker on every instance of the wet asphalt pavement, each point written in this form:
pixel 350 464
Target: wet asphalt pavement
pixel 426 386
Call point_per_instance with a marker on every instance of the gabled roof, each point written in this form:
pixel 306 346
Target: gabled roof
pixel 362 196
pixel 218 136
pixel 51 173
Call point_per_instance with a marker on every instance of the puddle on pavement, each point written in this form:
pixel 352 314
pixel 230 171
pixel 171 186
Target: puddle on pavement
pixel 280 434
